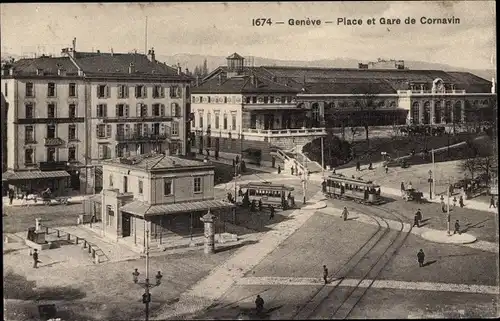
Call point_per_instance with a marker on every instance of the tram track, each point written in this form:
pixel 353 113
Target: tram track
pixel 369 260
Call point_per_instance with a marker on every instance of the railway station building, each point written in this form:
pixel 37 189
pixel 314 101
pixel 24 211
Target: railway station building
pixel 165 195
pixel 268 106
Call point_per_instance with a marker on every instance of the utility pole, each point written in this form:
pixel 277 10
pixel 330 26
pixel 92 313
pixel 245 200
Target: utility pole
pixel 304 177
pixel 322 159
pixel 147 296
pixel 434 171
pixel 448 222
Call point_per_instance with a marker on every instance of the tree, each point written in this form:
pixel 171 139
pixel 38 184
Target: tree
pixel 366 104
pixel 204 70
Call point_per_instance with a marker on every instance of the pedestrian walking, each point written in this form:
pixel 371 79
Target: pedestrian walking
pixel 492 202
pixel 345 213
pixel 35 259
pixel 370 167
pixel 421 258
pixel 416 221
pixel 271 209
pixel 454 201
pixel 419 215
pixel 279 169
pixel 442 198
pixel 158 278
pixel 325 274
pixel 273 162
pixel 386 168
pixel 11 196
pixel 135 276
pixel 461 201
pixel 260 205
pixel 291 169
pixel 443 207
pixel 358 166
pixel 259 304
pixel 457 228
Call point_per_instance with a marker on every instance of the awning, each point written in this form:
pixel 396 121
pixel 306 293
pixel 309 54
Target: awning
pixel 17 176
pixel 143 209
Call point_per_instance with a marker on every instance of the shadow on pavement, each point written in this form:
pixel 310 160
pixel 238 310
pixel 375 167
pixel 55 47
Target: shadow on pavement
pixel 430 262
pixel 220 249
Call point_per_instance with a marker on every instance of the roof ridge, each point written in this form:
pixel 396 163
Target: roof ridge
pixel 159 160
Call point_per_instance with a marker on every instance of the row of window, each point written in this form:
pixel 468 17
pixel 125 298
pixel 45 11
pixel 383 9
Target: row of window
pixel 142 110
pixel 124 150
pixel 140 91
pixel 138 130
pixel 217 118
pixel 29 110
pixel 246 99
pixel 168 185
pixel 51 155
pixel 51 90
pixel 29 133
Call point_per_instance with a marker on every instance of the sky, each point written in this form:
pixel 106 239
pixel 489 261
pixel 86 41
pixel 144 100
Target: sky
pixel 222 28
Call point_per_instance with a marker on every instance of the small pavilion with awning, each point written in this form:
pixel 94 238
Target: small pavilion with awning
pixel 36 180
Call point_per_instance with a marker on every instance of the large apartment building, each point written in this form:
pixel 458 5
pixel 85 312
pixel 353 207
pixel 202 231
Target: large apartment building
pixel 67 114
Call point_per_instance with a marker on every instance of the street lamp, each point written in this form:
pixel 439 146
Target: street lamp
pixel 146 296
pixel 430 180
pixel 448 223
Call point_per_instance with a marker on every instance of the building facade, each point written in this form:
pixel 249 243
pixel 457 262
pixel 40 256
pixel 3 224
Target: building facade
pixel 285 106
pixel 72 112
pixel 165 195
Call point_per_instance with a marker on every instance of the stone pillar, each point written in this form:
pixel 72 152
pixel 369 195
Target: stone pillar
pixel 432 119
pixel 38 224
pixel 420 113
pixel 208 220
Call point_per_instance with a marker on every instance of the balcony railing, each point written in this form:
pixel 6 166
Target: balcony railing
pixel 427 92
pixel 139 137
pixel 286 132
pixel 149 118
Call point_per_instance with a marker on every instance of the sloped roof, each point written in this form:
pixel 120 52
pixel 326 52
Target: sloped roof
pixel 157 162
pixel 235 56
pixel 49 65
pixel 337 80
pixel 118 64
pixel 143 209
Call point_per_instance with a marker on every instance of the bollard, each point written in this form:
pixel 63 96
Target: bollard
pixel 85 244
pixel 77 238
pixel 93 253
pixel 46 230
pixel 58 233
pixel 90 249
pixel 69 237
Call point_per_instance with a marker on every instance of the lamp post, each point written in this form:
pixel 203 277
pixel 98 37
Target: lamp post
pixel 448 222
pixel 430 180
pixel 304 177
pixel 322 159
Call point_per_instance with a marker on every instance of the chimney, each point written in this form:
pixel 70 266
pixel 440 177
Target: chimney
pixel 151 55
pixel 111 52
pixel 98 51
pixel 179 69
pixel 131 68
pixel 74 44
pixel 493 89
pixel 187 71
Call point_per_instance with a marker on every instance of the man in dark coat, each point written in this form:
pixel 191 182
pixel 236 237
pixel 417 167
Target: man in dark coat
pixel 358 166
pixel 259 304
pixel 260 205
pixel 419 215
pixel 11 196
pixel 420 258
pixel 273 162
pixel 457 228
pixel 279 169
pixel 271 208
pixel 325 274
pixel 461 201
pixel 35 259
pixel 492 202
pixel 158 278
pixel 415 221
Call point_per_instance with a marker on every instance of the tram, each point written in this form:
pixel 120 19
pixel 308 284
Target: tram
pixel 276 195
pixel 339 186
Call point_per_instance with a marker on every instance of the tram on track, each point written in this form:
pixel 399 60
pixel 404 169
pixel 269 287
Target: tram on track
pixel 342 187
pixel 276 195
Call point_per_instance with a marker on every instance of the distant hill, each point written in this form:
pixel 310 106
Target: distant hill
pixel 192 60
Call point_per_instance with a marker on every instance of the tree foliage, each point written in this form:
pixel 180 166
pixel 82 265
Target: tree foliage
pixel 336 151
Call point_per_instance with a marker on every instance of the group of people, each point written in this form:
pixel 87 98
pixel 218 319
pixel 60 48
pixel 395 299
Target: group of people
pixel 358 166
